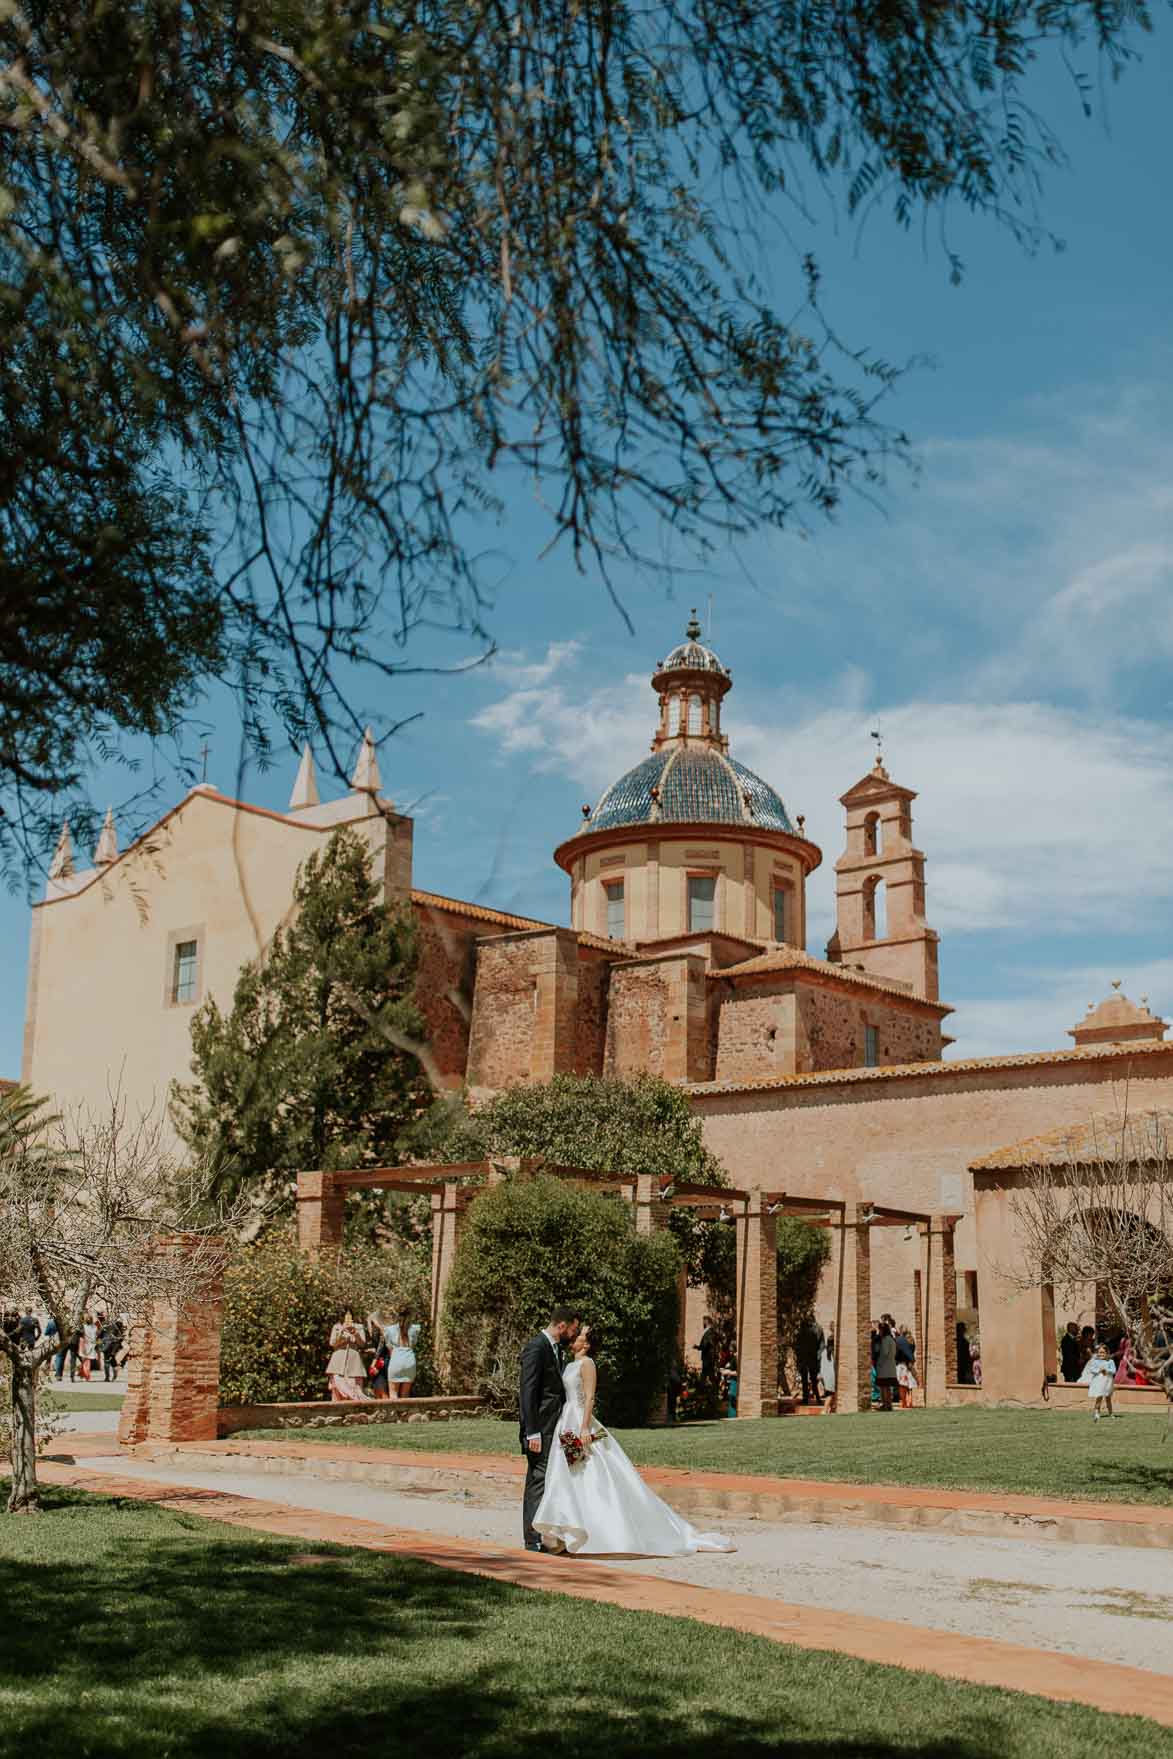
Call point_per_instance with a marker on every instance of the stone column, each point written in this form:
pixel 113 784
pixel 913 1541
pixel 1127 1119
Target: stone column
pixel 173 1381
pixel 853 1328
pixel 320 1213
pixel 938 1345
pixel 757 1311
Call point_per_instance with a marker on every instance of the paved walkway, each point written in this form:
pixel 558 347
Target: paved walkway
pixel 943 1596
pixel 997 1513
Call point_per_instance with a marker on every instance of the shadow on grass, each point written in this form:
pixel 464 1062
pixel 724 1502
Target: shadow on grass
pixel 140 1633
pixel 1122 1478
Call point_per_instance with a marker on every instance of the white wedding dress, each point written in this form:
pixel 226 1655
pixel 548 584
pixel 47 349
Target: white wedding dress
pixel 602 1505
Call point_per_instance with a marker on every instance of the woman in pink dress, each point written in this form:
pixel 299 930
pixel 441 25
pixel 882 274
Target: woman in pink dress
pixel 346 1371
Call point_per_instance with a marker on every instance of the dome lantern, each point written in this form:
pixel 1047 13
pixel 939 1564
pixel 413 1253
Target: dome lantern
pixel 690 684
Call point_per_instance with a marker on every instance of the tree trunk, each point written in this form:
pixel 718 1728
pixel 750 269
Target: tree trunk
pixel 25 1497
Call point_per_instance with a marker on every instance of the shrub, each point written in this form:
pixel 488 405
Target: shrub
pixel 279 1306
pixel 531 1244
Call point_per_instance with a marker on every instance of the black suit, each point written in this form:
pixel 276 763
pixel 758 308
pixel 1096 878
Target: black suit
pixel 542 1399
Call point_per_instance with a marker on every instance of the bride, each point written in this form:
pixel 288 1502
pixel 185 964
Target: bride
pixel 601 1504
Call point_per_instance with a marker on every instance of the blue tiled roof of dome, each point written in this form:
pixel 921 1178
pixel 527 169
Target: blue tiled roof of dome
pixel 694 786
pixel 693 654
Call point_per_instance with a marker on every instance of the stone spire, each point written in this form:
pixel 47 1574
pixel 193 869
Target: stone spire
pixel 305 788
pixel 62 866
pixel 107 849
pixel 366 778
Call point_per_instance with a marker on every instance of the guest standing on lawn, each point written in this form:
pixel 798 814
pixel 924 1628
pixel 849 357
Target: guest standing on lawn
pixel 379 1352
pixel 346 1370
pixel 402 1367
pixel 885 1365
pixel 1100 1375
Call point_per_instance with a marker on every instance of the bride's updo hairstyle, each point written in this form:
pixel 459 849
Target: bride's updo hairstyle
pixel 593 1339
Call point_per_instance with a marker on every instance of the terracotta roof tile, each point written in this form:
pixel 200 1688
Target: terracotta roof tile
pixel 504 919
pixel 1118 1053
pixel 795 959
pixel 1076 1144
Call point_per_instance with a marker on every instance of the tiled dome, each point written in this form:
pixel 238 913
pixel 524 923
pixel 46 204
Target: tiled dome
pixel 692 654
pixel 693 785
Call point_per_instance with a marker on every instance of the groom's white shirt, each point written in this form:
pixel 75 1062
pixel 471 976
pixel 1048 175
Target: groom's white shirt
pixel 553 1343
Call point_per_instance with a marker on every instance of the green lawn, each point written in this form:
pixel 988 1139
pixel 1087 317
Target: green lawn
pixel 1041 1453
pixel 58 1399
pixel 147 1635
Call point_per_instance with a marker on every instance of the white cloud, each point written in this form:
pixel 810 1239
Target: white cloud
pixel 1034 818
pixel 994 1025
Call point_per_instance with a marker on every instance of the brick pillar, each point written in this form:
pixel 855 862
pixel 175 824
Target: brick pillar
pixel 320 1212
pixel 853 1329
pixel 757 1311
pixel 173 1385
pixel 938 1345
pixel 686 1030
pixel 448 1210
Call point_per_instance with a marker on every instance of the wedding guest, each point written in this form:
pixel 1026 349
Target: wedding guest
pixel 708 1349
pixel 1087 1346
pixel 377 1346
pixel 964 1356
pixel 402 1366
pixel 346 1371
pixel 675 1383
pixel 30 1328
pixel 110 1340
pixel 885 1364
pixel 1100 1376
pixel 907 1382
pixel 827 1367
pixel 1070 1356
pixel 808 1347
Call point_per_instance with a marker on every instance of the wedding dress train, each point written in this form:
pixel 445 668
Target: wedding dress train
pixel 602 1505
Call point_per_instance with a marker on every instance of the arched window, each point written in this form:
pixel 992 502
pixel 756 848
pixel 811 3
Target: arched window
pixel 875 911
pixel 873 835
pixel 680 714
pixel 694 714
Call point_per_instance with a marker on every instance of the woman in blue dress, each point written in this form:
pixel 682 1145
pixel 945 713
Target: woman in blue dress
pixel 401 1338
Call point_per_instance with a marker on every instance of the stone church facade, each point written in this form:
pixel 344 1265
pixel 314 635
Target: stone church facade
pixel 822 1077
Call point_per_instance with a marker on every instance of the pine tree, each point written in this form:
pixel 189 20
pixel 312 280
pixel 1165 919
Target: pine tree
pixel 296 1075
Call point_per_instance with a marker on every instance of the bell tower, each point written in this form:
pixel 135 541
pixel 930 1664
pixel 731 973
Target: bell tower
pixel 880 889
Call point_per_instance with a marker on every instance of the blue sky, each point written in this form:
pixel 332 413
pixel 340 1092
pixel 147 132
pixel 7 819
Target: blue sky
pixel 1006 613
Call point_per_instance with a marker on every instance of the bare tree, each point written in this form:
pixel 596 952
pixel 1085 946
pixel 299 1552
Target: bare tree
pixel 88 1206
pixel 1101 1211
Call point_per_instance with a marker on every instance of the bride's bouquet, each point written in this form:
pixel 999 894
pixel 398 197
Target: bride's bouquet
pixel 573 1447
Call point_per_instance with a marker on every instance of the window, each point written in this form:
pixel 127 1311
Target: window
pixel 185 971
pixel 875 915
pixel 871 1047
pixel 615 922
pixel 702 894
pixel 873 835
pixel 694 714
pixel 779 913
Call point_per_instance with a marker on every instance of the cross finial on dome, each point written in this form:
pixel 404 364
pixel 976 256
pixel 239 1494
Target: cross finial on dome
pixel 1116 982
pixel 693 632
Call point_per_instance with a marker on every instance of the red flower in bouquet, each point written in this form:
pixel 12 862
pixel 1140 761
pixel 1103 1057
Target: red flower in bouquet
pixel 573 1447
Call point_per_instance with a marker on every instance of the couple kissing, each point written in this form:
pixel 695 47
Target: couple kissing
pixel 583 1496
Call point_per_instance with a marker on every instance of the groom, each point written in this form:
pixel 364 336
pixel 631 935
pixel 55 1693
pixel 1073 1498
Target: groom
pixel 542 1399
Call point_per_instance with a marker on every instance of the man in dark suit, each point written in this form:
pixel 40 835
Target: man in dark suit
pixel 542 1399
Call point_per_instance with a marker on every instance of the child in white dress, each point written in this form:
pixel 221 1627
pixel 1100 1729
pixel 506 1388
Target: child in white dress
pixel 1100 1375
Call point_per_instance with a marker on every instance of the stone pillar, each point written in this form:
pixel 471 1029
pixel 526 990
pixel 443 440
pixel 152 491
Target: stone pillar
pixel 555 1034
pixel 686 1030
pixel 173 1380
pixel 757 1311
pixel 853 1327
pixel 320 1212
pixel 1015 1354
pixel 938 1345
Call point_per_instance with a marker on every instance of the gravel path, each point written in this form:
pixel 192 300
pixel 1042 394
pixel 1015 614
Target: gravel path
pixel 1108 1603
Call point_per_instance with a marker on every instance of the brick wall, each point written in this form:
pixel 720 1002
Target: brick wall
pixel 594 975
pixel 658 1019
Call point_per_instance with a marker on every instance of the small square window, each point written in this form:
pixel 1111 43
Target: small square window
pixel 615 919
pixel 185 973
pixel 779 913
pixel 702 895
pixel 871 1047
